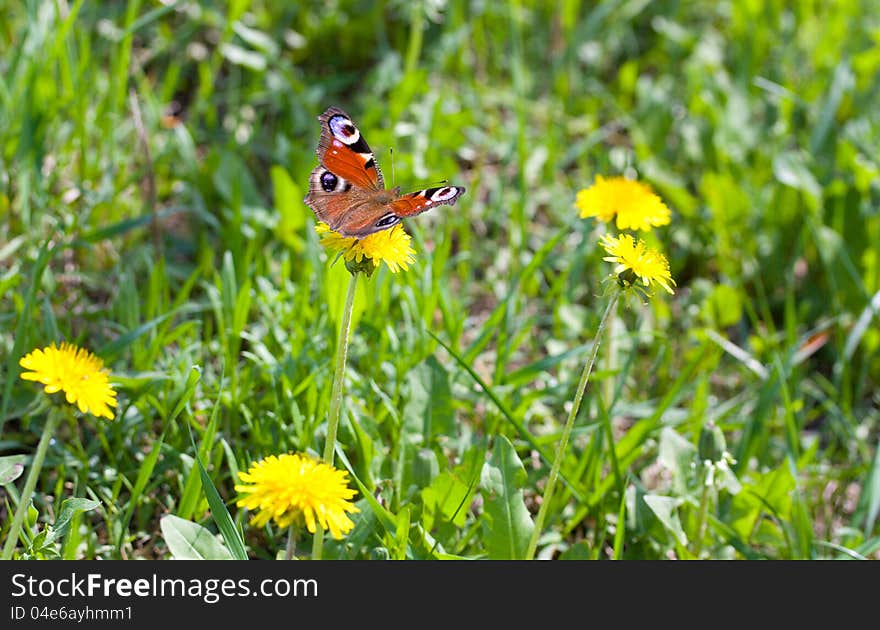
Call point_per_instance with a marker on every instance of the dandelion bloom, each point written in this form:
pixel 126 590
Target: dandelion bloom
pixel 77 372
pixel 390 246
pixel 635 258
pixel 634 204
pixel 293 488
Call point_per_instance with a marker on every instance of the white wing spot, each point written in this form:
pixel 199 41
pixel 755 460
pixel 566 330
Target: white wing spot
pixel 344 130
pixel 444 193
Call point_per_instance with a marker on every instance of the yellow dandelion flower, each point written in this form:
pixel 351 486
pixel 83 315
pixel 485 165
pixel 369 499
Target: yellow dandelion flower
pixel 634 204
pixel 634 259
pixel 293 488
pixel 76 372
pixel 390 246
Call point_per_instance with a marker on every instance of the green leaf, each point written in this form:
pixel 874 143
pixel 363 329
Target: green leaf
pixel 428 412
pixel 401 535
pixel 121 228
pixel 192 379
pixel 256 38
pixel 802 528
pixel 243 57
pixel 424 467
pixel 677 455
pixel 219 513
pixel 578 551
pixel 869 502
pixel 507 524
pixel 192 490
pixel 190 541
pixel 723 307
pixel 537 369
pixel 451 492
pixel 790 168
pixel 841 83
pixel 11 467
pixel 444 496
pixel 116 346
pixel 41 547
pixel 386 519
pixel 69 508
pixel 765 492
pixel 290 207
pixel 232 177
pixel 666 510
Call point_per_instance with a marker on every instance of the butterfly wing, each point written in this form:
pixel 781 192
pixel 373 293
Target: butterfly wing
pixel 343 185
pixel 414 203
pixel 347 191
pixel 343 151
pixel 358 213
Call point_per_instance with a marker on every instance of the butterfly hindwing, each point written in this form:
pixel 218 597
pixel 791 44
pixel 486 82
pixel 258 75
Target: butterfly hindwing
pixel 417 202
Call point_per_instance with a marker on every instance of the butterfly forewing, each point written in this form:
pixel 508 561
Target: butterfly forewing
pixel 343 151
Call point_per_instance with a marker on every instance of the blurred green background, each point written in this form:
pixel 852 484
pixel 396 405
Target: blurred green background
pixel 163 148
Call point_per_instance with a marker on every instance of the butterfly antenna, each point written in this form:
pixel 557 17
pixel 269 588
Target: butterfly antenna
pixel 434 184
pixel 391 159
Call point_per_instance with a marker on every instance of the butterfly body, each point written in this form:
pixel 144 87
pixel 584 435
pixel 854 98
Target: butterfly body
pixel 347 190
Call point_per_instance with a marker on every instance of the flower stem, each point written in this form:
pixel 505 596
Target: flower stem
pixel 291 543
pixel 30 483
pixel 336 395
pixel 566 431
pixel 701 520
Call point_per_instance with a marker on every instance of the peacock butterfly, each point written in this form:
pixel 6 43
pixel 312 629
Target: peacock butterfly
pixel 347 191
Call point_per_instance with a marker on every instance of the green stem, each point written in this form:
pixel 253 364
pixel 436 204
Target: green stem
pixel 336 395
pixel 701 522
pixel 291 543
pixel 31 482
pixel 566 431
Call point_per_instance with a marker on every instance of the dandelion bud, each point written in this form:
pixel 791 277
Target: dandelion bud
pixel 711 445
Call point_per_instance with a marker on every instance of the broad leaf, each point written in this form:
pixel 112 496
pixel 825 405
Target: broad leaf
pixel 428 411
pixel 190 541
pixel 678 456
pixel 507 524
pixel 69 508
pixel 11 468
pixel 666 510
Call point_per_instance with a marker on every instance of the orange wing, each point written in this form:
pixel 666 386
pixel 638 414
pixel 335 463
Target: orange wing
pixel 343 151
pixel 417 202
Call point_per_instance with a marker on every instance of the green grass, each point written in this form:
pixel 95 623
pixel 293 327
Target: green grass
pixel 153 160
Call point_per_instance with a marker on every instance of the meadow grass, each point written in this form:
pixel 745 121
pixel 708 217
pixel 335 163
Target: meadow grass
pixel 153 161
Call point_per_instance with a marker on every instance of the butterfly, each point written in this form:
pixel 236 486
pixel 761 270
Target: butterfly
pixel 347 191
